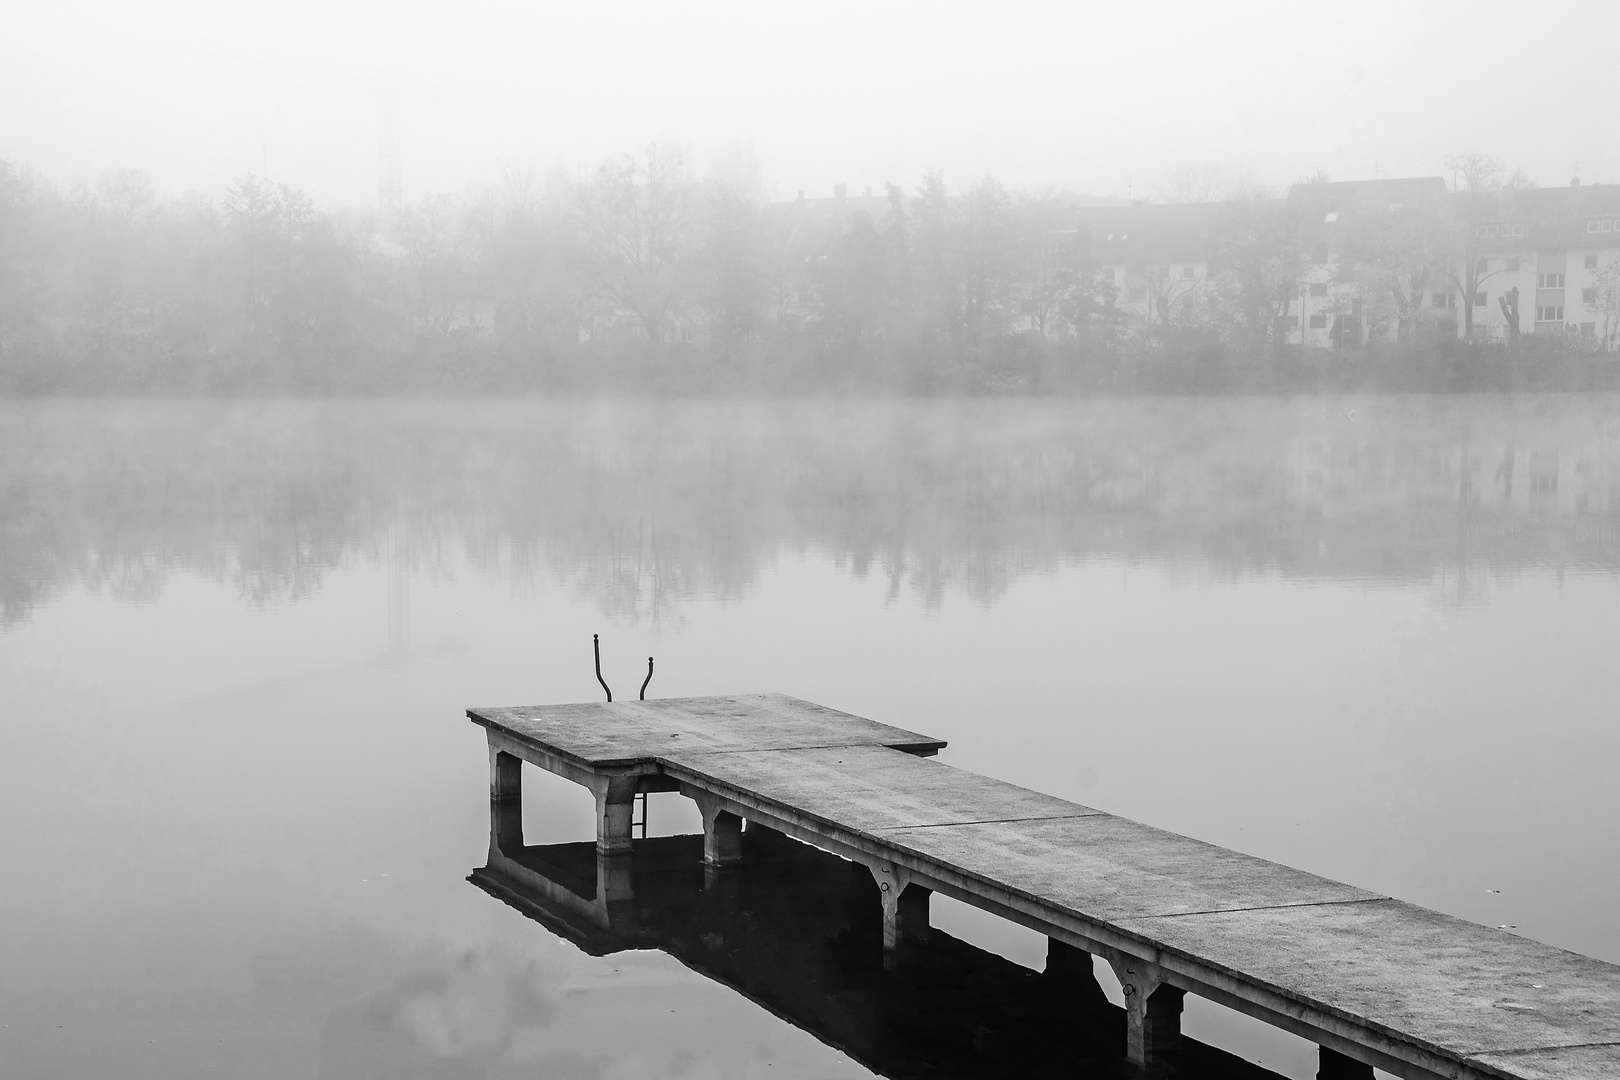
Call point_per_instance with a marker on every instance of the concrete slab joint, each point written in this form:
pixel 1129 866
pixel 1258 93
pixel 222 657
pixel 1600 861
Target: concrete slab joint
pixel 1152 1009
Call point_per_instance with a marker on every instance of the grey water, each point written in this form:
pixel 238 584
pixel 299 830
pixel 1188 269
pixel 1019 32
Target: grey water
pixel 1371 637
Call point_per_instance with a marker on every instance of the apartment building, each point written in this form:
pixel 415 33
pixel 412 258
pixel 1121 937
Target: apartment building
pixel 1540 254
pixel 1155 258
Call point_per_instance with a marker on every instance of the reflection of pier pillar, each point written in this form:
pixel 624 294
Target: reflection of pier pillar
pixel 505 829
pixel 1336 1066
pixel 1070 971
pixel 1152 1010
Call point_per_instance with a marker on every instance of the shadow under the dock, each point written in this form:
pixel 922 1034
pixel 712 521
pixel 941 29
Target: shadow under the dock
pixel 799 932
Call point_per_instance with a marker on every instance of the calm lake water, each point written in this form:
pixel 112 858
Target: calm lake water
pixel 1375 638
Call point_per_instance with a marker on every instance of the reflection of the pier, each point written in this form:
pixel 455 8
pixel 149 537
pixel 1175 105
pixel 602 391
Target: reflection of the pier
pixel 799 932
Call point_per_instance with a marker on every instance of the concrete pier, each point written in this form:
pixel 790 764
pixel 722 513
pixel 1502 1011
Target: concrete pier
pixel 1374 981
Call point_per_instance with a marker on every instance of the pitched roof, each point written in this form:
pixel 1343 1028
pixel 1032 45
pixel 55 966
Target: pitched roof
pixel 1558 217
pixel 1149 233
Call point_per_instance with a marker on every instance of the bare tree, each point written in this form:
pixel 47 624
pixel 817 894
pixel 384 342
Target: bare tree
pixel 1260 263
pixel 436 236
pixel 636 220
pixel 1398 254
pixel 1482 186
pixel 1606 300
pixel 1047 265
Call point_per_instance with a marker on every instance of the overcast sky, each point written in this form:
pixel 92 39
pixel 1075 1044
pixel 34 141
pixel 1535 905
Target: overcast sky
pixel 1099 98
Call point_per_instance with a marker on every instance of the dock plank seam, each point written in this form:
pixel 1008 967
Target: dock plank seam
pixel 1269 907
pixel 992 821
pixel 1549 1046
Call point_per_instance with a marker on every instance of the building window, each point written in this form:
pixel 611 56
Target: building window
pixel 1513 266
pixel 1318 322
pixel 1549 281
pixel 1588 296
pixel 1593 226
pixel 1482 231
pixel 1518 230
pixel 1479 298
pixel 1608 226
pixel 1591 262
pixel 1318 288
pixel 1550 313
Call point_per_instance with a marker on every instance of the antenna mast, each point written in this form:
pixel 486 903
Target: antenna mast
pixel 388 185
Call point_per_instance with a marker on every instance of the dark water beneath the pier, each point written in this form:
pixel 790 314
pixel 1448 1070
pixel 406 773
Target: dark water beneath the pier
pixel 1374 638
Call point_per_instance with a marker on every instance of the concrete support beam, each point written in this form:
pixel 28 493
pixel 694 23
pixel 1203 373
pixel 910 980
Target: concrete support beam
pixel 505 777
pixel 1152 1010
pixel 615 796
pixel 1333 1065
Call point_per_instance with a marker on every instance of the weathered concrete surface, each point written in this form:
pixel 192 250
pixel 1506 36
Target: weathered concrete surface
pixel 870 788
pixel 1563 1063
pixel 620 733
pixel 1385 982
pixel 1111 869
pixel 1443 982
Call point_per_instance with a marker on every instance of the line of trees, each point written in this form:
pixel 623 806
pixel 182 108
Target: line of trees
pixel 639 277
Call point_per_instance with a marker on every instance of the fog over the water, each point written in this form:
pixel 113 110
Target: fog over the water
pixel 1098 98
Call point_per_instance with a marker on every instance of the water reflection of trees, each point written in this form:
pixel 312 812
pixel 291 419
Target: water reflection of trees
pixel 644 505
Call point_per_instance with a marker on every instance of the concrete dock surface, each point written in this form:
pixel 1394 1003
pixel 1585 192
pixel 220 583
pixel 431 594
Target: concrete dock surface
pixel 1375 981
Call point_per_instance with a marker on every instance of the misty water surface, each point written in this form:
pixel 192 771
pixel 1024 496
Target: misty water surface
pixel 1373 638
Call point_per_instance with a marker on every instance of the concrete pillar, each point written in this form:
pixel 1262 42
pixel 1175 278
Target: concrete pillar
pixel 1333 1065
pixel 1069 970
pixel 722 835
pixel 905 906
pixel 505 777
pixel 1152 1010
pixel 615 798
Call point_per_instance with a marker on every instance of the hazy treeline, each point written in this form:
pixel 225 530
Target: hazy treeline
pixel 645 505
pixel 638 278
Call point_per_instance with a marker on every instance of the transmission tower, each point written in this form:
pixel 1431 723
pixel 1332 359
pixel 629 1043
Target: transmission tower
pixel 388 185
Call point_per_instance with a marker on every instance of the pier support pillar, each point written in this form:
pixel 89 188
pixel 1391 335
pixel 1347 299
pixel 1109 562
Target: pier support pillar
pixel 1152 1010
pixel 905 906
pixel 1336 1066
pixel 615 799
pixel 505 777
pixel 722 834
pixel 1069 969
